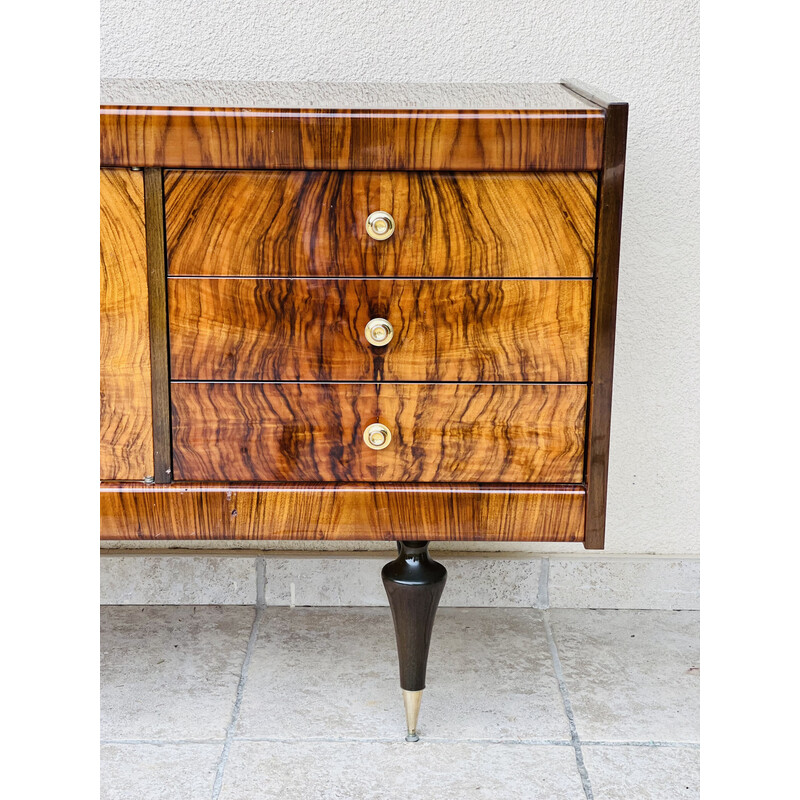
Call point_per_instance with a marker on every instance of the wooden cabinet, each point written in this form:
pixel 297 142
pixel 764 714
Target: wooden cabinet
pixel 389 322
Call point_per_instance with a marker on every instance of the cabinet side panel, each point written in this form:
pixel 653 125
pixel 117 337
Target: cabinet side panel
pixel 126 416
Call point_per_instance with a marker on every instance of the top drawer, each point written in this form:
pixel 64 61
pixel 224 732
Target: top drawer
pixel 285 224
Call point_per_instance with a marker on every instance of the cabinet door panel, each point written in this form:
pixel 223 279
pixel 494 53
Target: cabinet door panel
pixel 126 411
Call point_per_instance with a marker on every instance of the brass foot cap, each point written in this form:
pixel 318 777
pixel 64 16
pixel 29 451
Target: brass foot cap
pixel 411 701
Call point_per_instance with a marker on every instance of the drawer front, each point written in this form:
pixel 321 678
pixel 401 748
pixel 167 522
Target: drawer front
pixel 314 432
pixel 314 224
pixel 443 330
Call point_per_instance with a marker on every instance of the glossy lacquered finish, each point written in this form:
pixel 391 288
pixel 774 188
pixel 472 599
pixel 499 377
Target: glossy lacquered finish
pixel 126 422
pixel 498 281
pixel 385 139
pixel 440 432
pixel 343 511
pixel 441 330
pixel 159 345
pixel 414 583
pixel 310 224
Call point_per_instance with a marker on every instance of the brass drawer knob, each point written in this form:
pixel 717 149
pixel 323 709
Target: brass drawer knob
pixel 377 436
pixel 379 331
pixel 380 225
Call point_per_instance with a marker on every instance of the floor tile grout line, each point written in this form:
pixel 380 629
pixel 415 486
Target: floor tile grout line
pixel 395 740
pixel 562 687
pixel 226 747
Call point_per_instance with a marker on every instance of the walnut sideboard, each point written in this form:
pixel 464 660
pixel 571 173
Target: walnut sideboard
pixel 361 312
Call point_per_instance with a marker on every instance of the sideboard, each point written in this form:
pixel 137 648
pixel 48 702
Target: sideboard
pixel 361 312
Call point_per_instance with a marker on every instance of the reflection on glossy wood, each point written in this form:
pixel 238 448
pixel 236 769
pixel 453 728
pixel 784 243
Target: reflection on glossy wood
pixel 313 224
pixel 444 330
pixel 231 138
pixel 313 432
pixel 126 433
pixel 343 511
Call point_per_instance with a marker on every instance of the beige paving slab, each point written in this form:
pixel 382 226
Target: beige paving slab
pixel 356 581
pixel 631 675
pixel 333 673
pixel 158 771
pixel 644 773
pixel 638 583
pixel 177 580
pixel 170 672
pixel 377 771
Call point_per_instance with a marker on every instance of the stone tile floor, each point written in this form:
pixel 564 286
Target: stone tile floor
pixel 234 703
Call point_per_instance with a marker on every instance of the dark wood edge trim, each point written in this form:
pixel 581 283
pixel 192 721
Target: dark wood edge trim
pixel 155 239
pixel 604 312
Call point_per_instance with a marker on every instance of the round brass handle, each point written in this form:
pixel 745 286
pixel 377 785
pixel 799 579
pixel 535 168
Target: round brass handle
pixel 379 331
pixel 377 436
pixel 380 225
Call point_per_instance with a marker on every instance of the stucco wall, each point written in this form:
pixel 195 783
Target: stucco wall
pixel 643 51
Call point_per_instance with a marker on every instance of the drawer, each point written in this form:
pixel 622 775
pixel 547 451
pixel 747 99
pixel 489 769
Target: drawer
pixel 478 225
pixel 442 330
pixel 439 432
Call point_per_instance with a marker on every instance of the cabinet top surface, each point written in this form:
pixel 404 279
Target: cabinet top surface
pixel 353 96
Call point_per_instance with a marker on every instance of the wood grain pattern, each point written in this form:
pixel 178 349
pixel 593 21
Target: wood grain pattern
pixel 126 422
pixel 231 138
pixel 604 315
pixel 313 224
pixel 444 330
pixel 159 343
pixel 351 511
pixel 441 432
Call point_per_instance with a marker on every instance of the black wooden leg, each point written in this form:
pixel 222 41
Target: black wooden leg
pixel 414 583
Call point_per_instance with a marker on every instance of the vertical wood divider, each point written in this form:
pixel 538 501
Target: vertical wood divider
pixel 604 310
pixel 155 238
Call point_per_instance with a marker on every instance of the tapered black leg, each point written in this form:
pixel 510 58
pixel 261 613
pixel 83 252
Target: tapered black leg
pixel 414 583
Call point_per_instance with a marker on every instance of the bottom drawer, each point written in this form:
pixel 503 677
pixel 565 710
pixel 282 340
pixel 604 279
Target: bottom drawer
pixel 507 433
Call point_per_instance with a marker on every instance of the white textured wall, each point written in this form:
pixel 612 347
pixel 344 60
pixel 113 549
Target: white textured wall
pixel 643 51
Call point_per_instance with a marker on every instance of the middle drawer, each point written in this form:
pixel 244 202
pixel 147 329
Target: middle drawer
pixel 276 329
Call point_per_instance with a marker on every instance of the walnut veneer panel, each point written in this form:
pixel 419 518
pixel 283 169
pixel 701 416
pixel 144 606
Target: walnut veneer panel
pixel 248 138
pixel 126 412
pixel 444 330
pixel 343 511
pixel 313 224
pixel 441 432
